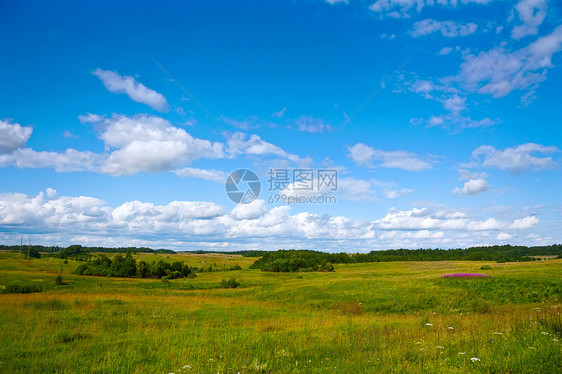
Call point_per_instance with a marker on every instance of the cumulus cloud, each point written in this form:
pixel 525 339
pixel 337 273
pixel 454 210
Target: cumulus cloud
pixel 472 187
pixel 425 219
pixel 135 90
pixel 150 143
pixel 516 160
pixel 253 210
pixel 365 155
pixel 532 14
pixel 13 136
pixel 200 224
pixel 448 29
pixel 475 183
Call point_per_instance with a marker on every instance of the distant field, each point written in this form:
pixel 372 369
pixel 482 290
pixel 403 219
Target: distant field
pixel 363 318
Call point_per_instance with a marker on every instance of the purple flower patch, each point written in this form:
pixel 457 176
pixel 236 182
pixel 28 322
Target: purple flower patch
pixel 463 275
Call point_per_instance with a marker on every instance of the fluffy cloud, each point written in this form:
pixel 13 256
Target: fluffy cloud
pixel 13 136
pixel 532 14
pixel 149 143
pixel 446 28
pixel 515 159
pixel 498 72
pixel 135 90
pixel 365 155
pixel 405 8
pixel 253 210
pixel 472 187
pixel 475 183
pixel 425 219
pixel 199 224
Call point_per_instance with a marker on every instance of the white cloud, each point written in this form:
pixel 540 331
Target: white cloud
pixel 405 8
pixel 498 72
pixel 211 175
pixel 446 28
pixel 532 14
pixel 445 51
pixel 90 118
pixel 240 143
pixel 198 224
pixel 337 1
pixel 69 160
pixel 504 236
pixel 135 90
pixel 253 210
pixel 475 183
pixel 311 124
pixel 150 143
pixel 472 187
pixel 365 155
pixel 13 136
pixel 425 219
pixel 515 159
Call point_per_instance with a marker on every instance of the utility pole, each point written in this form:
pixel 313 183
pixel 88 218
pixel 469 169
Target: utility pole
pixel 29 248
pixel 21 244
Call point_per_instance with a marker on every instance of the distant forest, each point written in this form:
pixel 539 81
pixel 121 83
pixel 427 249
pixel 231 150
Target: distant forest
pixel 297 260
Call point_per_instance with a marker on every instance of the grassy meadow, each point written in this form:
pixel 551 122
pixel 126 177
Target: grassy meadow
pixel 363 318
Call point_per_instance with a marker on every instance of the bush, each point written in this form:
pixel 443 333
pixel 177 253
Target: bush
pixel 231 283
pixel 485 267
pixel 22 288
pixel 59 281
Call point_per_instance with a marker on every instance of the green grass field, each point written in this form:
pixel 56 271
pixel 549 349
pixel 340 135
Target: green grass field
pixel 363 318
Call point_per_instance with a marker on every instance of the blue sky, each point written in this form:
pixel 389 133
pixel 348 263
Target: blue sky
pixel 120 122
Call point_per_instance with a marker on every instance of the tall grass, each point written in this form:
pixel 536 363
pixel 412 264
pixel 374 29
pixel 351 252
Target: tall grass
pixel 364 318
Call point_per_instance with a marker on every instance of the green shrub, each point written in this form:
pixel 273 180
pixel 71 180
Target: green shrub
pixel 59 281
pixel 485 267
pixel 22 288
pixel 231 283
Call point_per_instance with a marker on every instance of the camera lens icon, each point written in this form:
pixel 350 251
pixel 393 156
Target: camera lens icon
pixel 243 186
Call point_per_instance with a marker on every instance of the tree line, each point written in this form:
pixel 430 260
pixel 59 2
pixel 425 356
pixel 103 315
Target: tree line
pixel 127 266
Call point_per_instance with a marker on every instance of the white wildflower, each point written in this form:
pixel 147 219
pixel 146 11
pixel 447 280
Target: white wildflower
pixel 428 324
pixel 474 359
pixel 451 328
pixel 545 333
pixel 498 333
pixel 440 347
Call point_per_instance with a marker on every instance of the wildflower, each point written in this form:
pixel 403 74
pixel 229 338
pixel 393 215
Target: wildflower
pixel 440 347
pixel 498 333
pixel 428 324
pixel 555 339
pixel 464 275
pixel 531 347
pixel 187 367
pixel 545 333
pixel 474 359
pixel 451 328
pixel 461 353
